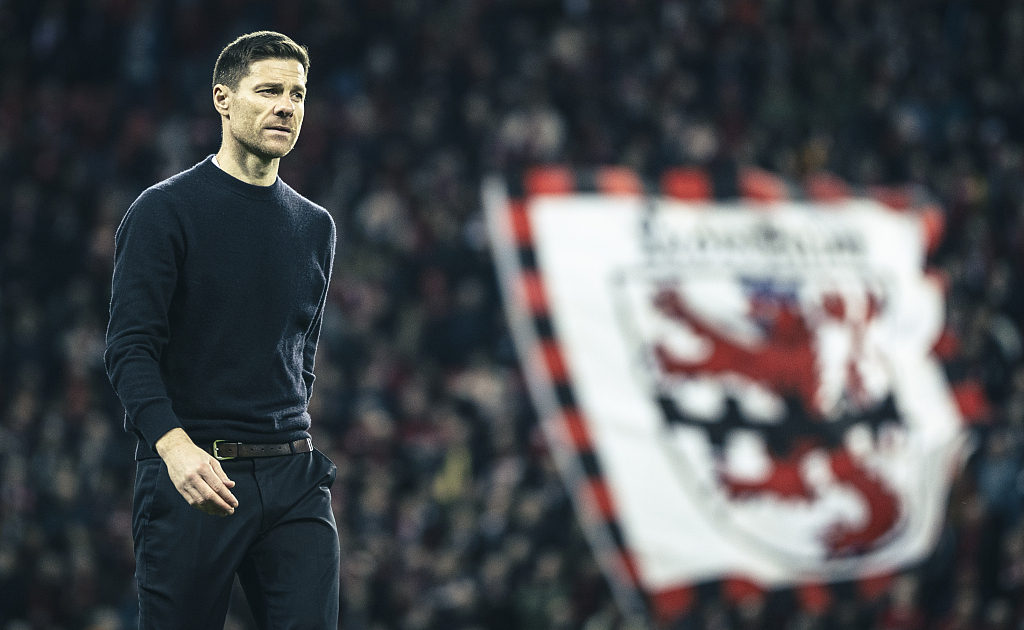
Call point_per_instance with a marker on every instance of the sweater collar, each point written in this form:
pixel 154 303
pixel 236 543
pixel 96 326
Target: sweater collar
pixel 232 183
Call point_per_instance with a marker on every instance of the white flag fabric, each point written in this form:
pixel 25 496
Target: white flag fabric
pixel 755 382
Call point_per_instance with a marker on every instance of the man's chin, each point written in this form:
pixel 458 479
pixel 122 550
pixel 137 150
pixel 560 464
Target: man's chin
pixel 278 151
pixel 271 151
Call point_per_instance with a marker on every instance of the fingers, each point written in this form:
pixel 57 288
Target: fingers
pixel 204 490
pixel 215 478
pixel 199 478
pixel 207 503
pixel 199 492
pixel 223 475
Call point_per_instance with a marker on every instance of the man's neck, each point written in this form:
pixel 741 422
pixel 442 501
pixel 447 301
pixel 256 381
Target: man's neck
pixel 247 167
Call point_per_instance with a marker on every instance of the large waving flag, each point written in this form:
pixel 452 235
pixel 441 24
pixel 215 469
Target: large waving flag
pixel 732 390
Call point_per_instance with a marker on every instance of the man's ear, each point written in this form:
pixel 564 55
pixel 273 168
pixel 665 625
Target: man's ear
pixel 222 99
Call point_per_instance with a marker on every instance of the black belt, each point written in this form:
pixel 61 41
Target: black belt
pixel 233 450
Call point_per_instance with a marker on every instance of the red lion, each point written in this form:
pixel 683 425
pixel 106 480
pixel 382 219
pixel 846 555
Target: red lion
pixel 786 363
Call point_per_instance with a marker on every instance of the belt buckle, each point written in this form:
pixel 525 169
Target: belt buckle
pixel 215 455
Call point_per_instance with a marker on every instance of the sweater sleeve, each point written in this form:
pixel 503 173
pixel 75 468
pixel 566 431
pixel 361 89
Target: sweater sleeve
pixel 313 336
pixel 149 248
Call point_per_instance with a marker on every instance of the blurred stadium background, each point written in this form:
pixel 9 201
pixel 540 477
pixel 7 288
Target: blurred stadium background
pixel 451 514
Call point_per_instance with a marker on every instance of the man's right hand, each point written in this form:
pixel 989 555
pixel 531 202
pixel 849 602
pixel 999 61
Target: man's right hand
pixel 196 474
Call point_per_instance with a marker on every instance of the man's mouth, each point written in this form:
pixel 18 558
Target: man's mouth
pixel 281 128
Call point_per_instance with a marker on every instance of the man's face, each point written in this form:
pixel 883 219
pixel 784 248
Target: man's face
pixel 265 112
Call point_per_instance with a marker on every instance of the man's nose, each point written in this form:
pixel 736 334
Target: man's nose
pixel 284 107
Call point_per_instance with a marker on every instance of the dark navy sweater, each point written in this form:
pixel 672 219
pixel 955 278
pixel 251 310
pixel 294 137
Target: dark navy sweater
pixel 218 295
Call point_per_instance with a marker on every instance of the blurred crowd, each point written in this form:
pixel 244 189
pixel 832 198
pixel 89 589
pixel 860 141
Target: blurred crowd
pixel 450 512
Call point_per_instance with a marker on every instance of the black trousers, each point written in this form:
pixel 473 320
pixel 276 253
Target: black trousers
pixel 282 542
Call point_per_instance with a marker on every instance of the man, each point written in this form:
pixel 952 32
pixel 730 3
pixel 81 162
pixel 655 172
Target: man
pixel 220 280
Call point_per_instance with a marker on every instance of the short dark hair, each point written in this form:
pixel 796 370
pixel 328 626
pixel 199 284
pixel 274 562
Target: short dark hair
pixel 233 63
